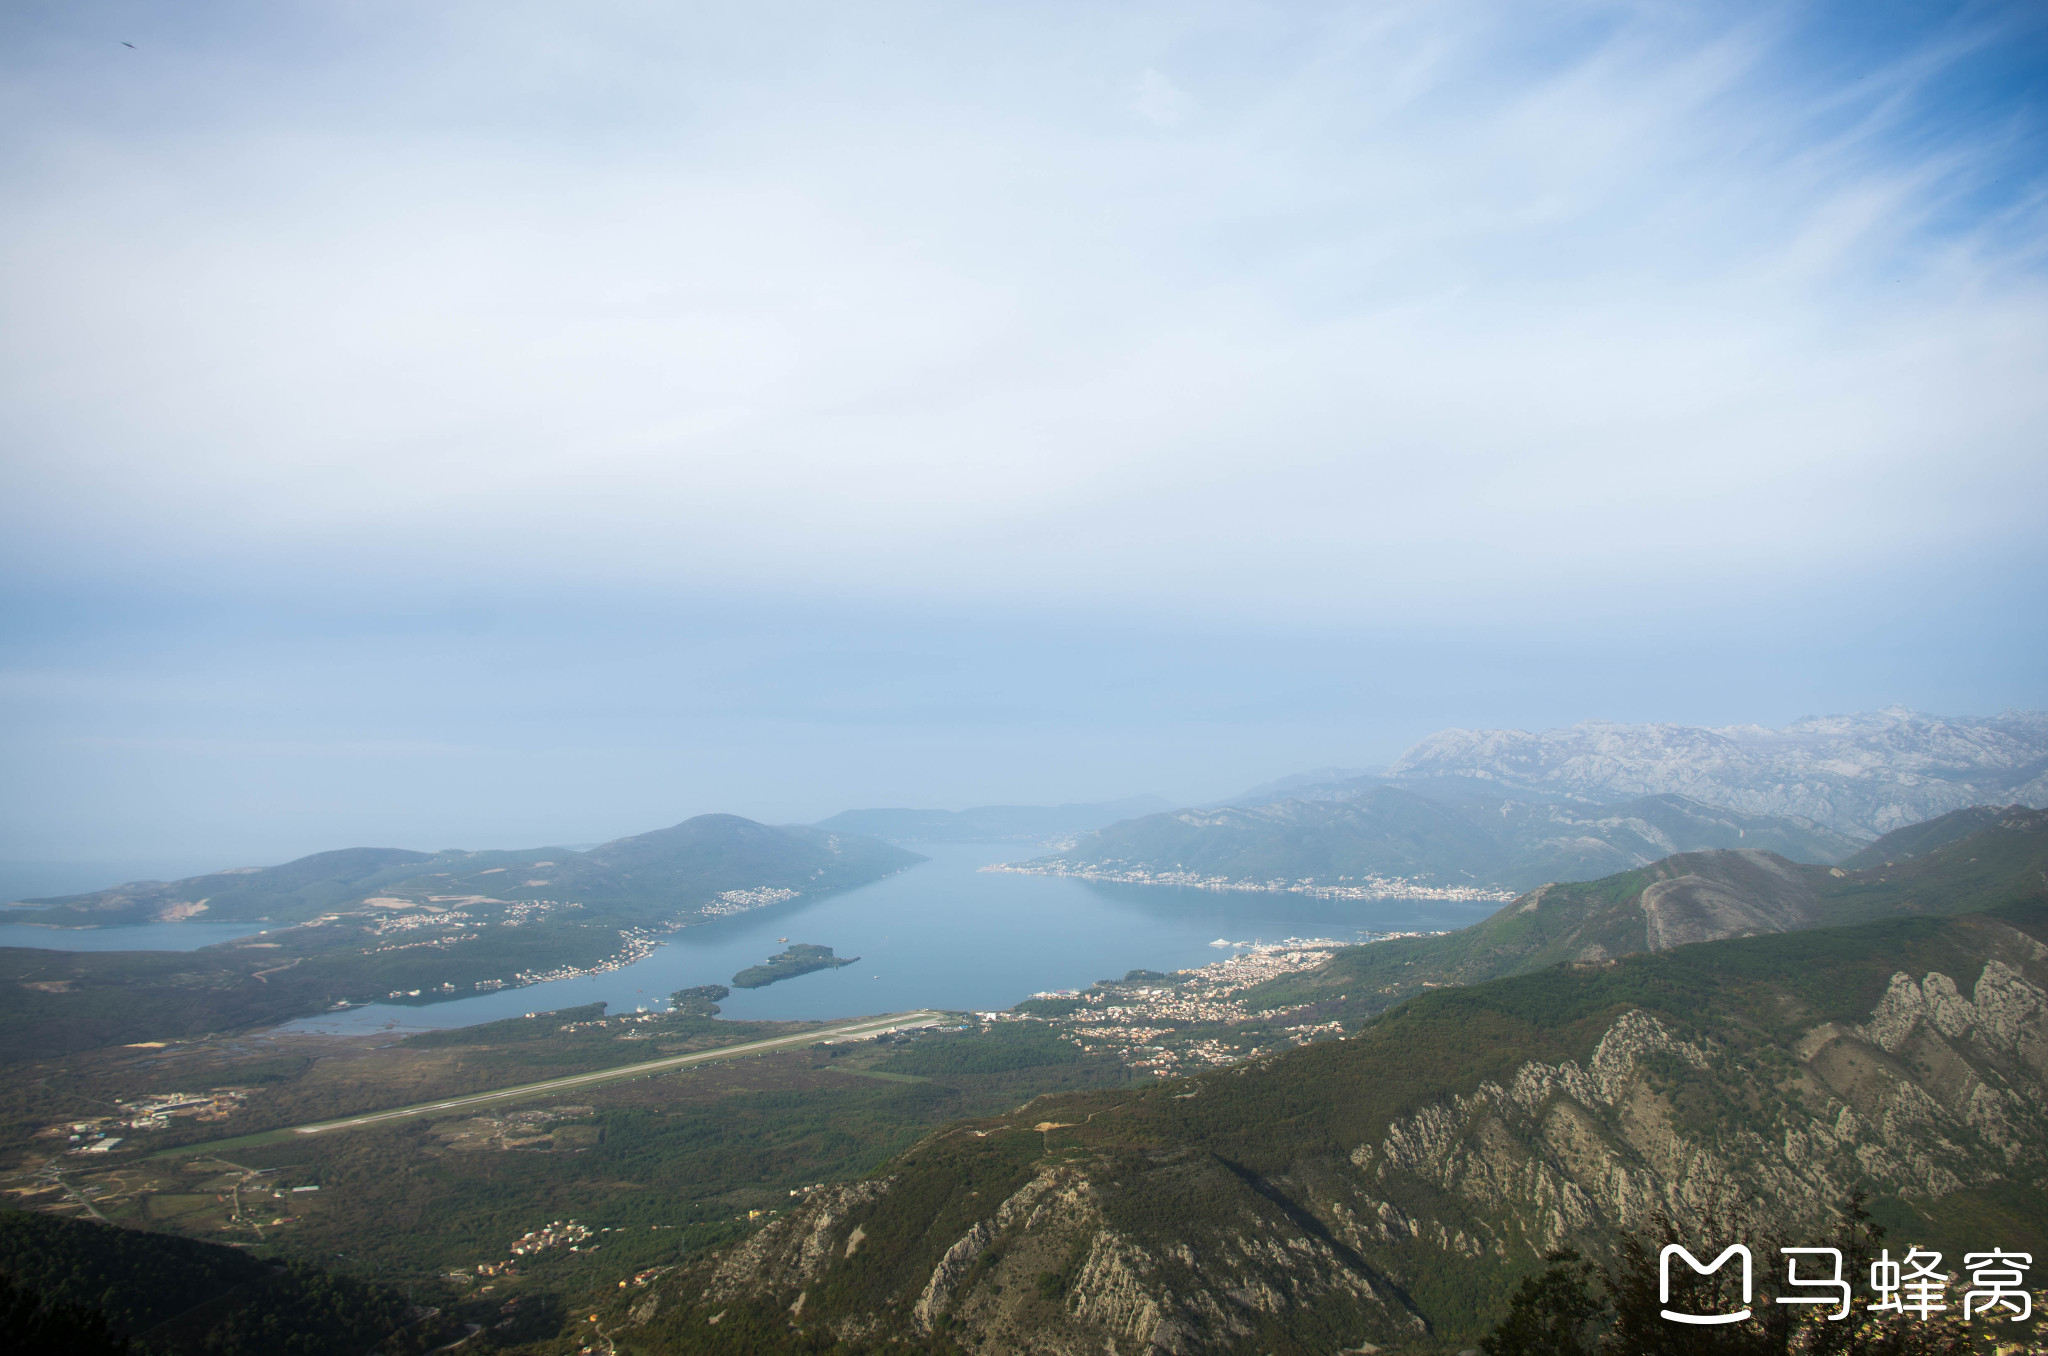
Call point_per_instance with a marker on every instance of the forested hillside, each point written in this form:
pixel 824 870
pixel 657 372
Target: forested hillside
pixel 1982 860
pixel 1385 1191
pixel 649 877
pixel 1385 837
pixel 166 1296
pixel 370 925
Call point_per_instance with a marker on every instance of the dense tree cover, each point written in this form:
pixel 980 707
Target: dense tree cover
pixel 91 999
pixel 701 1000
pixel 1576 1308
pixel 537 1027
pixel 1257 1148
pixel 798 958
pixel 1996 862
pixel 1390 831
pixel 135 1279
pixel 1006 1047
pixel 647 877
pixel 54 1002
pixel 81 1288
pixel 299 1311
pixel 689 1151
pixel 31 1324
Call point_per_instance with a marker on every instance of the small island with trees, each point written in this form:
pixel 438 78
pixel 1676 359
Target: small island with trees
pixel 800 958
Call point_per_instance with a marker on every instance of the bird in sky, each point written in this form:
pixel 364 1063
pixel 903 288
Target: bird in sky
pixel 127 44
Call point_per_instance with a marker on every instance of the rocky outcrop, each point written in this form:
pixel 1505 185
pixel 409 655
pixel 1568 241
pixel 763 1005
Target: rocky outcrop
pixel 1861 774
pixel 1142 1227
pixel 795 1251
pixel 1726 894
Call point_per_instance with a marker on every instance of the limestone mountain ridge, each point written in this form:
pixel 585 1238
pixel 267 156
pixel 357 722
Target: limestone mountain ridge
pixel 1383 1191
pixel 1862 774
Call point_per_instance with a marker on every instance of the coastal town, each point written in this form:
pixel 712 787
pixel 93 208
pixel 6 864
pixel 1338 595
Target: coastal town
pixel 1190 1019
pixel 1367 887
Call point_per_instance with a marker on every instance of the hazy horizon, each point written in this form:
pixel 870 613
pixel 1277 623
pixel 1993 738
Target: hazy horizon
pixel 494 425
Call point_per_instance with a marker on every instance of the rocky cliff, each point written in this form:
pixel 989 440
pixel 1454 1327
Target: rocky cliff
pixel 1861 774
pixel 1382 1192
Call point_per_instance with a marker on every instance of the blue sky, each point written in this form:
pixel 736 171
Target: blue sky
pixel 482 425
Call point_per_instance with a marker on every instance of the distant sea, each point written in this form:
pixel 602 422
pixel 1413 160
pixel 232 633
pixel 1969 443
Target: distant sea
pixel 44 880
pixel 944 935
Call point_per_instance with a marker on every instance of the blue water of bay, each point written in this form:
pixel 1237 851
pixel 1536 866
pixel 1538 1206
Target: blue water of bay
pixel 943 934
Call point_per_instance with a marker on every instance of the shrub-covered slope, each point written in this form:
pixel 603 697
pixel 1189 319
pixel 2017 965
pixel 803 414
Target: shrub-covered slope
pixel 1391 833
pixel 1386 1190
pixel 1699 896
pixel 176 1295
pixel 648 877
pixel 381 928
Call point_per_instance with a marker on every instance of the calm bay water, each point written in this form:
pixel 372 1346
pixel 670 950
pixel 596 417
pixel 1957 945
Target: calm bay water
pixel 943 935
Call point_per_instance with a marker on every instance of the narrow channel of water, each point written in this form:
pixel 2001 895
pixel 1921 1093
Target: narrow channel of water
pixel 945 935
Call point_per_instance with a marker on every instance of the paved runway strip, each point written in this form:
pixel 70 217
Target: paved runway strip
pixel 871 1026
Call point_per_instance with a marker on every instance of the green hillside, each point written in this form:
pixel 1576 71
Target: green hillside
pixel 1386 1191
pixel 297 889
pixel 1698 897
pixel 800 958
pixel 649 877
pixel 375 927
pixel 1386 833
pixel 174 1295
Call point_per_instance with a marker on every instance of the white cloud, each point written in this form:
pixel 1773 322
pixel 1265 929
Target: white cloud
pixel 892 307
pixel 1161 102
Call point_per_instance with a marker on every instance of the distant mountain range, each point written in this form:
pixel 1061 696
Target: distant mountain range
pixel 1383 840
pixel 1968 861
pixel 1386 1190
pixel 709 865
pixel 991 823
pixel 1861 775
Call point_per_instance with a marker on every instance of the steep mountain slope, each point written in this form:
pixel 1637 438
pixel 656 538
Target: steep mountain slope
pixel 304 887
pixel 1916 839
pixel 990 823
pixel 1859 774
pixel 1697 896
pixel 1388 835
pixel 190 1296
pixel 1384 1191
pixel 650 877
pixel 695 863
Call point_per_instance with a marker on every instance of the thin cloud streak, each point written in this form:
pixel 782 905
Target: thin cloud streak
pixel 603 414
pixel 977 335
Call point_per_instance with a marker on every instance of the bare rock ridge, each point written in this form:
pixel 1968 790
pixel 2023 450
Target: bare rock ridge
pixel 1862 774
pixel 1726 894
pixel 1382 1192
